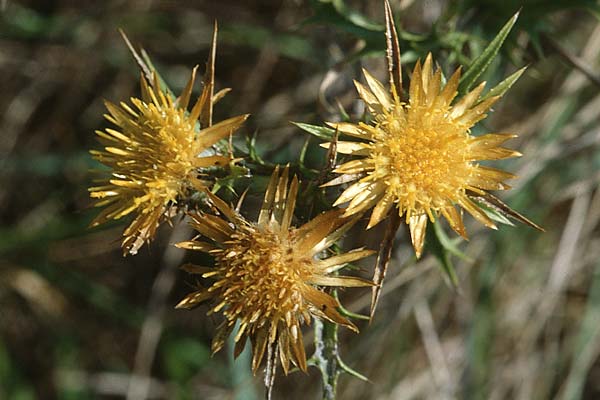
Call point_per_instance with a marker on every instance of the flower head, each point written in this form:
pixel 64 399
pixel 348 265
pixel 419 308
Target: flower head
pixel 266 273
pixel 156 157
pixel 420 156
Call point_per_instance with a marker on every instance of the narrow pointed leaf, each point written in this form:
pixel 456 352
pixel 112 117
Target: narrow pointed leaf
pixel 481 63
pixel 494 203
pixel 447 243
pixel 435 245
pixel 322 132
pixel 503 86
pixel 161 82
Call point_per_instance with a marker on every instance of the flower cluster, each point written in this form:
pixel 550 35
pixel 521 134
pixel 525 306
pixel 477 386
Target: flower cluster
pixel 414 159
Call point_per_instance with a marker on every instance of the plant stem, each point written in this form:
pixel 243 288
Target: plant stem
pixel 326 356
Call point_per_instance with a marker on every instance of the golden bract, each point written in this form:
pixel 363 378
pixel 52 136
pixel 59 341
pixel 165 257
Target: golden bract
pixel 156 157
pixel 266 273
pixel 420 157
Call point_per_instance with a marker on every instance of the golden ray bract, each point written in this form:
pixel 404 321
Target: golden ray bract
pixel 419 156
pixel 266 274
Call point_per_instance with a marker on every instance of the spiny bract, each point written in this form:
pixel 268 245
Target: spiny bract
pixel 266 273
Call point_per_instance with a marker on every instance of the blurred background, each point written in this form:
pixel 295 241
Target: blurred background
pixel 78 321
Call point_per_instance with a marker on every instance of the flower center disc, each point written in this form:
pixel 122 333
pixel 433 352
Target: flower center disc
pixel 423 155
pixel 261 275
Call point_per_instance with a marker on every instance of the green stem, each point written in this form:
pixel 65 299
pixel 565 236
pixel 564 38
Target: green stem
pixel 326 356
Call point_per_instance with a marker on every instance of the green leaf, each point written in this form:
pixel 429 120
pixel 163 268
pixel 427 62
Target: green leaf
pixel 449 244
pixel 163 84
pixel 287 44
pixel 302 157
pixel 183 357
pixel 481 63
pixel 337 13
pixel 252 152
pixel 322 132
pixel 343 114
pixel 347 313
pixel 229 182
pixel 494 214
pixel 503 86
pixel 146 66
pixel 351 371
pixel 503 211
pixel 354 16
pixel 441 247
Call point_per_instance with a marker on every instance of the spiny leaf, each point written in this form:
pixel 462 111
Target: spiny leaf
pixel 354 16
pixel 252 152
pixel 343 114
pixel 437 244
pixel 302 157
pixel 350 314
pixel 449 244
pixel 163 84
pixel 146 65
pixel 351 371
pixel 499 207
pixel 336 13
pixel 322 132
pixel 236 173
pixel 493 213
pixel 503 86
pixel 481 63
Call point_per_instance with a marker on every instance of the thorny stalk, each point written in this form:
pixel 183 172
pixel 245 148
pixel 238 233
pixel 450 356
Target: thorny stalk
pixel 327 356
pixel 270 370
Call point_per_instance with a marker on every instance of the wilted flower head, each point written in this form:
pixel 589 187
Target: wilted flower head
pixel 266 273
pixel 419 156
pixel 156 157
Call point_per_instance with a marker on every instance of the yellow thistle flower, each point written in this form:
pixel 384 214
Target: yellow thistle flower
pixel 156 158
pixel 419 156
pixel 266 273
